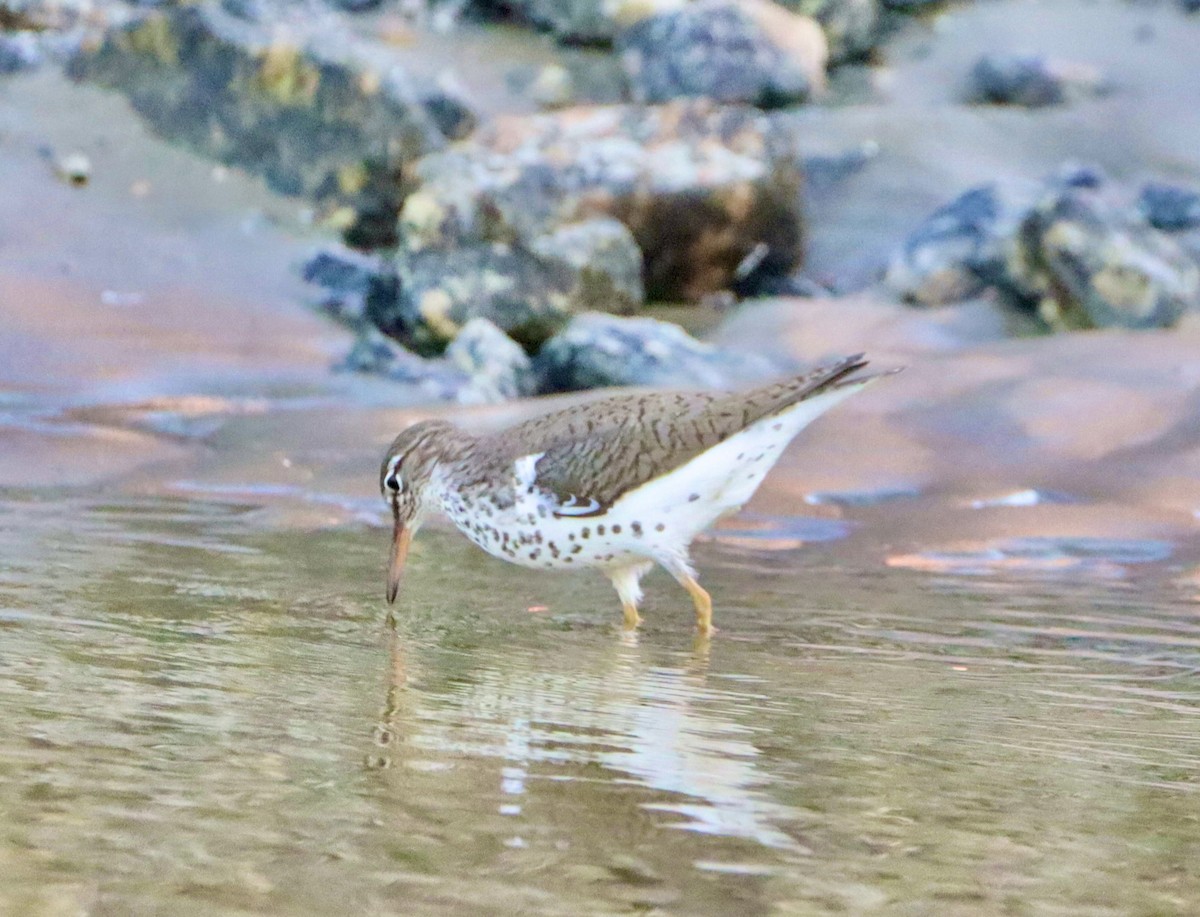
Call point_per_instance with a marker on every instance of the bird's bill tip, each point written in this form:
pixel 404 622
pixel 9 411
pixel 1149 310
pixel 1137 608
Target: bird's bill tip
pixel 401 539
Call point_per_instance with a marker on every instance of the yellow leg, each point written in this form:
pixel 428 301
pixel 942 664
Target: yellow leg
pixel 703 602
pixel 625 580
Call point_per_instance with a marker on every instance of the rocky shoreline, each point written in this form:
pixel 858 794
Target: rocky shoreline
pixel 504 250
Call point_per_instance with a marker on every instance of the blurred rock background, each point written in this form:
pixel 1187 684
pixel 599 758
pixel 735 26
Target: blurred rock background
pixel 524 164
pixel 667 164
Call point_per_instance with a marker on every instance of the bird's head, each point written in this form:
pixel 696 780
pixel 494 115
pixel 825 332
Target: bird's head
pixel 404 481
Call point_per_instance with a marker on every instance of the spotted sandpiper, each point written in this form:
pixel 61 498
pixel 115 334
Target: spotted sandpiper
pixel 618 484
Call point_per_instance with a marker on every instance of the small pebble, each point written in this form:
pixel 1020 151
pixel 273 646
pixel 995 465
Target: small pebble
pixel 74 169
pixel 553 87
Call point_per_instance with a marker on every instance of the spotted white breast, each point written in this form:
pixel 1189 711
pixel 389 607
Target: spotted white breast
pixel 657 520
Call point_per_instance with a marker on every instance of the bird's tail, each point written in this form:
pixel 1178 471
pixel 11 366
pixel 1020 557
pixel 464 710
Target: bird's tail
pixel 779 396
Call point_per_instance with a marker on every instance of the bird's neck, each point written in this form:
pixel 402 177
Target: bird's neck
pixel 449 455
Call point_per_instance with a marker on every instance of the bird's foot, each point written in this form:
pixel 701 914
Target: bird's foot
pixel 632 618
pixel 703 602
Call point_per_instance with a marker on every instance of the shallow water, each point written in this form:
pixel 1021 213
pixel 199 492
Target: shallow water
pixel 200 715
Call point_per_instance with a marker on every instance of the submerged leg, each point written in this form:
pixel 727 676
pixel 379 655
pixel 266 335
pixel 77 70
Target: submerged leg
pixel 626 581
pixel 703 602
pixel 681 569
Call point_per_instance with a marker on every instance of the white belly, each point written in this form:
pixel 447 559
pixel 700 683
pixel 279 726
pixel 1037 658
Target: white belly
pixel 658 519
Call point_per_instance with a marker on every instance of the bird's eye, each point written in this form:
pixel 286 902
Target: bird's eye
pixel 393 483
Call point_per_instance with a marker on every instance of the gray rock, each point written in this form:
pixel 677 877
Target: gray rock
pixel 952 256
pixel 250 10
pixel 530 293
pixel 376 354
pixel 349 280
pixel 698 186
pixel 851 27
pixel 1091 266
pixel 911 6
pixel 439 290
pixel 19 51
pixel 578 21
pixel 1170 207
pixel 965 246
pixel 298 99
pixel 50 15
pixel 714 49
pixel 1032 81
pixel 449 111
pixel 598 350
pixel 33 32
pixel 482 366
pixel 606 260
pixel 498 368
pixel 356 6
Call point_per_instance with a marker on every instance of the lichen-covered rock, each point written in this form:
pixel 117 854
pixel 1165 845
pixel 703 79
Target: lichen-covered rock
pixel 34 32
pixel 375 354
pixel 348 281
pixel 605 258
pixel 963 247
pixel 943 261
pixel 851 27
pixel 498 369
pixel 482 366
pixel 439 290
pixel 1057 247
pixel 579 21
pixel 750 51
pixel 1091 266
pixel 425 298
pixel 699 186
pixel 295 99
pixel 51 15
pixel 1032 81
pixel 598 350
pixel 1170 207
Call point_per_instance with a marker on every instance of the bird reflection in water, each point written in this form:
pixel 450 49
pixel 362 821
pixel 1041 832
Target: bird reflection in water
pixel 646 717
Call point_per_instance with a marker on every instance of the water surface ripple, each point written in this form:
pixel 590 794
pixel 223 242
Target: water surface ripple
pixel 202 716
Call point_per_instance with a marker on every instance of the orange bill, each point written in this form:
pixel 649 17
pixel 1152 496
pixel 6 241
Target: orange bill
pixel 401 539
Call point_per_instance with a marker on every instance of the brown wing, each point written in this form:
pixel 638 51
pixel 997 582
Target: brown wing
pixel 595 452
